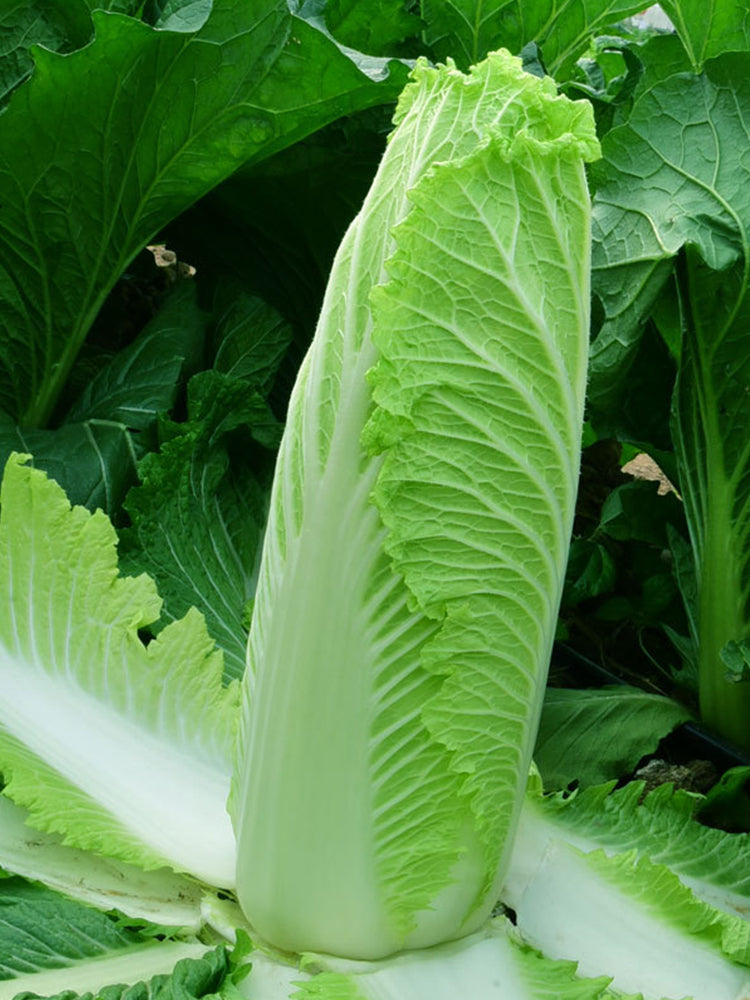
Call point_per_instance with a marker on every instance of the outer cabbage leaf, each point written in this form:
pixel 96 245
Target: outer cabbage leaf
pixel 49 944
pixel 489 965
pixel 399 647
pixel 170 970
pixel 707 30
pixel 468 29
pixel 161 896
pixel 660 826
pixel 40 929
pixel 122 748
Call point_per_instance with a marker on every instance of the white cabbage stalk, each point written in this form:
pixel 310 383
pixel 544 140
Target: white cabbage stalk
pixel 419 528
pixel 657 938
pixel 161 896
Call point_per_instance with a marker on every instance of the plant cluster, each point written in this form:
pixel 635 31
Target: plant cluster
pixel 307 311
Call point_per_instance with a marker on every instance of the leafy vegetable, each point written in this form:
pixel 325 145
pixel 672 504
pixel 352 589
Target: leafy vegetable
pixel 491 964
pixel 94 461
pixel 559 900
pixel 198 514
pixel 707 32
pixel 415 552
pixel 70 932
pixel 378 27
pixel 36 22
pixel 142 381
pixel 426 687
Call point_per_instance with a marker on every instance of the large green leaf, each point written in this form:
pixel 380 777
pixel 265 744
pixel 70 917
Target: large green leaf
pixel 40 929
pixel 684 946
pixel 199 511
pixel 276 226
pixel 168 970
pixel 143 379
pixel 708 29
pixel 467 30
pixel 93 455
pixel 669 176
pixel 128 132
pixel 368 624
pixel 378 27
pixel 50 945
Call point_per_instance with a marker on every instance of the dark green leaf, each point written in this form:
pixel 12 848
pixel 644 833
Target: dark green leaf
pixel 276 226
pixel 707 30
pixel 647 373
pixel 668 177
pixel 591 572
pixel 532 61
pixel 210 976
pixel 251 338
pixel 142 380
pixel 736 658
pixel 198 522
pixel 676 182
pixel 93 461
pixel 128 132
pixel 132 8
pixel 59 25
pixel 727 805
pixel 684 569
pixel 635 511
pixel 40 929
pixel 594 736
pixel 661 56
pixel 184 15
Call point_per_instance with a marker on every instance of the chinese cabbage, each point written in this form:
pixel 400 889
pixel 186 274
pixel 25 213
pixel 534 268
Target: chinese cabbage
pixel 419 526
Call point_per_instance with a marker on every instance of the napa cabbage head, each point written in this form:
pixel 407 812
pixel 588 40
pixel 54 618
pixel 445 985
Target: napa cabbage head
pixel 419 527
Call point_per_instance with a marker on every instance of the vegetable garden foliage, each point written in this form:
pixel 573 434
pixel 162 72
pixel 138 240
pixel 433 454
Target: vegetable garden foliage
pixel 348 815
